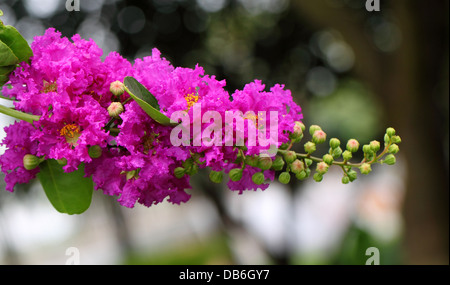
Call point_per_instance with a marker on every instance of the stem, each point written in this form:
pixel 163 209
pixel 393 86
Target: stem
pixel 6 98
pixel 18 115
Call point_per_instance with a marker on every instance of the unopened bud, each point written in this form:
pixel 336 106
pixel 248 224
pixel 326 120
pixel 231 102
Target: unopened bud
pixel 367 149
pixel 216 176
pixel 390 132
pixel 365 168
pixel 117 88
pixel 265 162
pixel 345 180
pixel 298 131
pixel 310 147
pixel 297 166
pixel 314 128
pixel 284 177
pixel 301 176
pixel 390 159
pixel 308 162
pixel 396 139
pixel 352 175
pixel 322 168
pixel 393 149
pixel 192 170
pixel 347 155
pixel 387 139
pixel 375 146
pixel 278 163
pixel 251 160
pixel 30 161
pixel 336 153
pixel 334 143
pixel 235 174
pixel 95 151
pixel 290 156
pixel 352 145
pixel 284 146
pixel 258 178
pixel 328 159
pixel 179 172
pixel 318 177
pixel 319 137
pixel 115 109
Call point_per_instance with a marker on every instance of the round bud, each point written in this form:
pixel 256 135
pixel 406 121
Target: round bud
pixel 284 146
pixel 387 139
pixel 322 168
pixel 216 176
pixel 308 162
pixel 352 175
pixel 284 177
pixel 393 149
pixel 95 151
pixel 396 139
pixel 334 143
pixel 352 145
pixel 179 172
pixel 235 174
pixel 192 170
pixel 290 156
pixel 30 161
pixel 390 132
pixel 390 159
pixel 310 147
pixel 278 163
pixel 314 128
pixel 365 168
pixel 345 180
pixel 297 166
pixel 367 149
pixel 265 162
pixel 117 88
pixel 319 137
pixel 258 178
pixel 298 131
pixel 375 146
pixel 251 160
pixel 115 109
pixel 302 126
pixel 301 176
pixel 328 159
pixel 318 177
pixel 346 155
pixel 336 153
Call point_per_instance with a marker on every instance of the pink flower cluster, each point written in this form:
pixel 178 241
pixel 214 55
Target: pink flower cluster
pixel 67 84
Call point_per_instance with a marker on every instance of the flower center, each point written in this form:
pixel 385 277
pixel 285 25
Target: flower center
pixel 191 99
pixel 49 87
pixel 71 132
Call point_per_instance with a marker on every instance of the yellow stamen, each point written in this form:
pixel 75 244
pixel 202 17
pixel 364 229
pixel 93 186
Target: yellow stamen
pixel 191 99
pixel 49 87
pixel 71 132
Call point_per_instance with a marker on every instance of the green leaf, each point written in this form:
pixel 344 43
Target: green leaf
pixel 7 56
pixel 69 193
pixel 146 100
pixel 4 72
pixel 14 40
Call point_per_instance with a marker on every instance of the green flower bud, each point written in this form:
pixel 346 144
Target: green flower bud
pixel 387 139
pixel 298 131
pixel 188 163
pixel 310 147
pixel 192 170
pixel 284 146
pixel 319 137
pixel 258 178
pixel 62 161
pixel 313 129
pixel 367 149
pixel 393 149
pixel 95 151
pixel 396 139
pixel 390 132
pixel 179 172
pixel 345 180
pixel 302 126
pixel 216 176
pixel 117 88
pixel 115 109
pixel 390 159
pixel 297 166
pixel 30 161
pixel 322 168
pixel 318 177
pixel 235 174
pixel 284 177
pixel 290 156
pixel 334 143
pixel 346 155
pixel 308 172
pixel 308 162
pixel 251 160
pixel 352 175
pixel 265 162
pixel 352 145
pixel 365 168
pixel 328 159
pixel 375 146
pixel 301 176
pixel 336 153
pixel 278 163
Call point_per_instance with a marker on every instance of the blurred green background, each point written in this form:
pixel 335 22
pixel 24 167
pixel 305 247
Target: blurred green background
pixel 353 72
